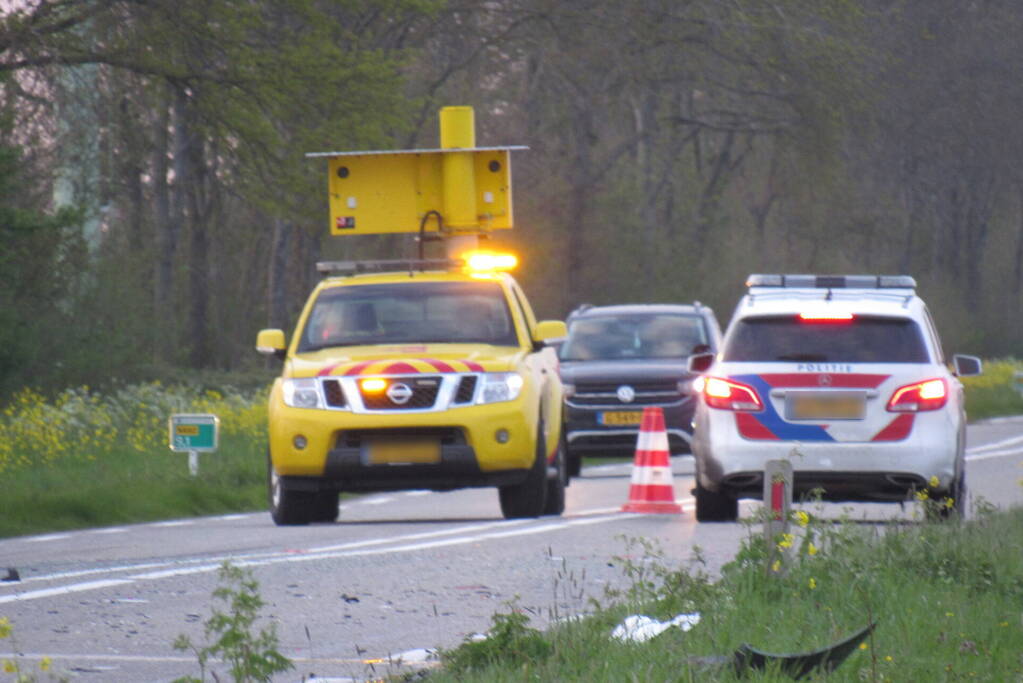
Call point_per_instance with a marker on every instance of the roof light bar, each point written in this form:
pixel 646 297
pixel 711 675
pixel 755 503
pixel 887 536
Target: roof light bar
pixel 489 261
pixel 832 281
pixel 355 267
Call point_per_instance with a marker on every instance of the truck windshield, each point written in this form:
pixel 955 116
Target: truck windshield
pixel 863 339
pixel 412 312
pixel 633 337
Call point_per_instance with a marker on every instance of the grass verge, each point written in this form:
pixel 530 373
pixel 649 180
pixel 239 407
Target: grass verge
pixel 947 599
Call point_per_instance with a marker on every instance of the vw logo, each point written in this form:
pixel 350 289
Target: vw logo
pixel 399 393
pixel 824 380
pixel 626 394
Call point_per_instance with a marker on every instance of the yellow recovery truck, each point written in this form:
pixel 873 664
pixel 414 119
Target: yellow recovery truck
pixel 419 373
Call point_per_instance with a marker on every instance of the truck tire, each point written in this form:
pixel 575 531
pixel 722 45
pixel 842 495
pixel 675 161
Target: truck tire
pixel 557 480
pixel 325 506
pixel 287 506
pixel 528 499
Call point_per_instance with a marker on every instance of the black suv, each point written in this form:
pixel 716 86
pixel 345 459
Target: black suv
pixel 619 359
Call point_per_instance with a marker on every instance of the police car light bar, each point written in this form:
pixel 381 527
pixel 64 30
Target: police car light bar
pixel 832 281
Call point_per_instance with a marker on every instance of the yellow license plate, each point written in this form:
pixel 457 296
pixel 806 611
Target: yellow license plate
pixel 186 430
pixel 621 417
pixel 403 451
pixel 825 407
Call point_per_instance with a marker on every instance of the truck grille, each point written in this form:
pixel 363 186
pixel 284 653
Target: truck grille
pixel 404 393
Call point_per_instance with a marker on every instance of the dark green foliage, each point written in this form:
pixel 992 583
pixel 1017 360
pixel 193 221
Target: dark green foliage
pixel 511 643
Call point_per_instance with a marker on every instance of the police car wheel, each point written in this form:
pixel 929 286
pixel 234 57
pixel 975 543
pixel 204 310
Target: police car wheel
pixel 715 507
pixel 952 503
pixel 528 499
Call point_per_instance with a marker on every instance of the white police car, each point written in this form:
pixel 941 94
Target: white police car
pixel 843 376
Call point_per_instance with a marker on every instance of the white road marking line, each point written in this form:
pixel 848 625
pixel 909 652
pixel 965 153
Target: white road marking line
pixel 47 538
pixel 63 590
pixel 997 445
pixel 213 564
pixel 109 530
pixel 995 454
pixel 176 522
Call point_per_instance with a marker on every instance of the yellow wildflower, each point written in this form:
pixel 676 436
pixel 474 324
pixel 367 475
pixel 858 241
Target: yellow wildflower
pixel 888 658
pixel 811 549
pixel 863 646
pixel 921 495
pixel 933 483
pixel 5 627
pixel 10 667
pixel 44 664
pixel 776 567
pixel 802 519
pixel 786 541
pixel 813 583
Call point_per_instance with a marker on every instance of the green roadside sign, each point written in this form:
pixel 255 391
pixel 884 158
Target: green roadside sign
pixel 194 432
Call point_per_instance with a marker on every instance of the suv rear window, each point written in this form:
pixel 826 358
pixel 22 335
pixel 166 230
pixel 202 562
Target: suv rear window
pixel 864 339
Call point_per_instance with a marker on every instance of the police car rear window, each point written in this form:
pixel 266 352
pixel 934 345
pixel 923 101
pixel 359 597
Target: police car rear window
pixel 864 339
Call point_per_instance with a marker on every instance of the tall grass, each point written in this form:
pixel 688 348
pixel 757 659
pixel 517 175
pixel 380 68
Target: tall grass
pixel 87 458
pixel 994 393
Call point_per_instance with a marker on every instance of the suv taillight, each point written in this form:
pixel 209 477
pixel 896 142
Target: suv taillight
pixel 728 395
pixel 931 394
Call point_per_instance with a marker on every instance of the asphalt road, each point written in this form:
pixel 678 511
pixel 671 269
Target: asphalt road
pixel 399 575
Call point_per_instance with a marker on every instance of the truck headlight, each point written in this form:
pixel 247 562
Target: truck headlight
pixel 500 386
pixel 302 393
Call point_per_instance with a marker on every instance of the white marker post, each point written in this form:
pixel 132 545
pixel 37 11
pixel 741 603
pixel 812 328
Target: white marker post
pixel 193 434
pixel 777 504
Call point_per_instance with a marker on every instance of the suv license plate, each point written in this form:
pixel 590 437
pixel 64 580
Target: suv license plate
pixel 830 406
pixel 398 451
pixel 621 417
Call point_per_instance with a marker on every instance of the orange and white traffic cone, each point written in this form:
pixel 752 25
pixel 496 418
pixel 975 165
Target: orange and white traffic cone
pixel 652 489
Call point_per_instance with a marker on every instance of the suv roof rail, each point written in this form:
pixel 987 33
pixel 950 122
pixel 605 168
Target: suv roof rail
pixel 831 281
pixel 381 266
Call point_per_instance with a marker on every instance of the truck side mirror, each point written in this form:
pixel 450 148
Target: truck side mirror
pixel 271 343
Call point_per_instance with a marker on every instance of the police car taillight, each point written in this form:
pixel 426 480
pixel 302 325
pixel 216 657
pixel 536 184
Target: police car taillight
pixel 825 317
pixel 929 395
pixel 728 395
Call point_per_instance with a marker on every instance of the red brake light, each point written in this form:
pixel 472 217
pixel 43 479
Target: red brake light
pixel 728 395
pixel 928 395
pixel 825 317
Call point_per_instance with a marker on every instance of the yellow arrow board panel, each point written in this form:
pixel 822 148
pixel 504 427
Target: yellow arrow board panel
pixel 389 192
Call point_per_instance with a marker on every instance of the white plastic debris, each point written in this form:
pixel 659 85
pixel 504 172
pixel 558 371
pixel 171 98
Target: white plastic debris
pixel 639 628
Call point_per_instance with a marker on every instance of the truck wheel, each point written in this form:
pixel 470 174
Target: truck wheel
pixel 528 498
pixel 325 506
pixel 575 464
pixel 287 506
pixel 557 480
pixel 715 507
